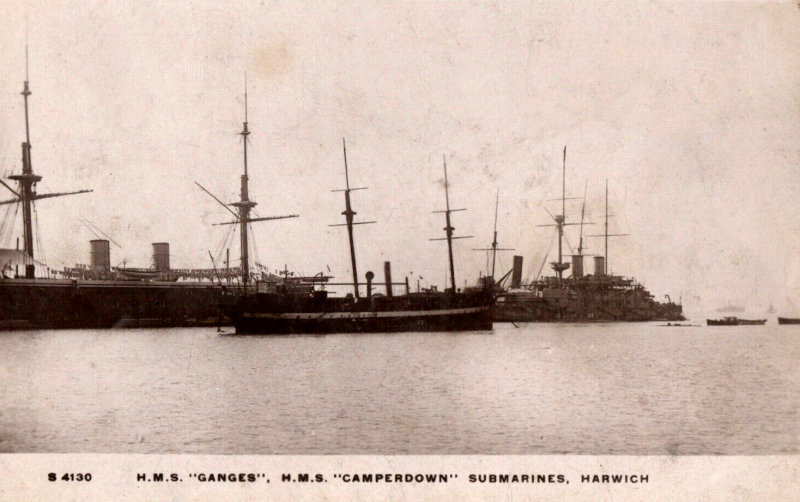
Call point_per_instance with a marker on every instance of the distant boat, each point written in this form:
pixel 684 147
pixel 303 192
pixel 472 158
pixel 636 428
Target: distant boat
pixel 731 308
pixel 735 321
pixel 771 309
pixel 789 320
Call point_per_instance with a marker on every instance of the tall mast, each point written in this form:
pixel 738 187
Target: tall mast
pixel 560 220
pixel 27 181
pixel 244 204
pixel 606 235
pixel 348 215
pixel 449 227
pixel 494 249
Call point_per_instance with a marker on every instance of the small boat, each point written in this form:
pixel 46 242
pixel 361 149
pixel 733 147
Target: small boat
pixel 789 320
pixel 735 321
pixel 137 274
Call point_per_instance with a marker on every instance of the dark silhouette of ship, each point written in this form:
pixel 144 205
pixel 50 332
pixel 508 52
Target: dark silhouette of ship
pixel 735 321
pixel 300 307
pixel 580 297
pixel 96 295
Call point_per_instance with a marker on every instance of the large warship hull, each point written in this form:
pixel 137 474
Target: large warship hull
pixel 64 303
pixel 584 300
pixel 290 314
pixel 579 297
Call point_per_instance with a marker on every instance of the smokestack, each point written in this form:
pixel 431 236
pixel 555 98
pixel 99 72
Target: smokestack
pixel 516 274
pixel 100 255
pixel 599 265
pixel 577 266
pixel 370 275
pixel 387 272
pixel 161 256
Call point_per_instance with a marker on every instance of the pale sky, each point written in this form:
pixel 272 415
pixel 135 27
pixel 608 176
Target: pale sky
pixel 690 110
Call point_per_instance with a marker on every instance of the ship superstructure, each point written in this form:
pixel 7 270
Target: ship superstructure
pixel 277 309
pixel 579 297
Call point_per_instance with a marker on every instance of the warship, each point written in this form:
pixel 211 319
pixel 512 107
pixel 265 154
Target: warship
pixel 304 306
pixel 96 295
pixel 579 297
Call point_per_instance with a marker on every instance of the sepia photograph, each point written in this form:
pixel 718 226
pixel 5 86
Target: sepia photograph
pixel 426 228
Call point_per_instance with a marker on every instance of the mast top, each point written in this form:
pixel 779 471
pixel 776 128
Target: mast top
pixel 245 131
pixel 496 205
pixel 346 174
pixel 26 91
pixel 347 188
pixel 564 183
pixel 26 62
pixel 245 98
pixel 446 185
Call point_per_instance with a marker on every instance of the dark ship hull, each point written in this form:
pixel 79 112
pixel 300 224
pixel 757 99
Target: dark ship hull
pixel 64 303
pixel 788 320
pixel 734 321
pixel 95 296
pixel 281 313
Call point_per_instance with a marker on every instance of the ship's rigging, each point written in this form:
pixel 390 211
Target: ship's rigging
pixel 26 193
pixel 494 249
pixel 560 221
pixel 606 235
pixel 348 214
pixel 449 227
pixel 244 205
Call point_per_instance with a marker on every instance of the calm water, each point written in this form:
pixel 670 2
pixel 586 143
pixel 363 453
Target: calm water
pixel 536 389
